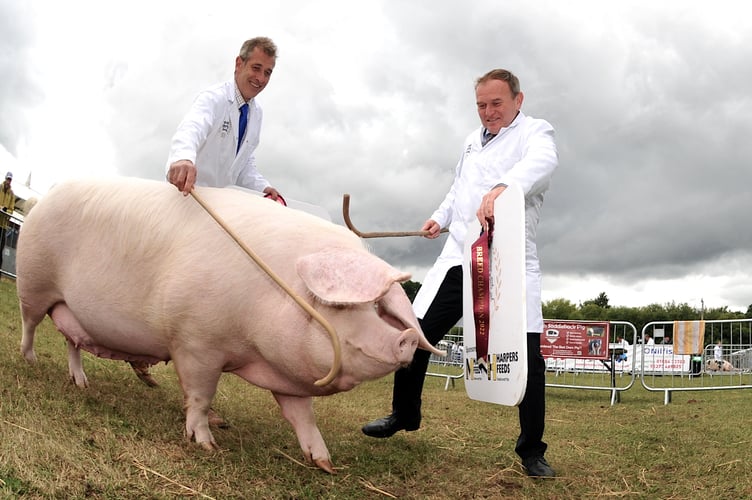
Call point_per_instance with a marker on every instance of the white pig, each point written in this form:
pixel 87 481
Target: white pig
pixel 130 269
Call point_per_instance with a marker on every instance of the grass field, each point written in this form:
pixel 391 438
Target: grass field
pixel 122 439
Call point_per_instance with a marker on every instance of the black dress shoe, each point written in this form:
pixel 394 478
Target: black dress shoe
pixel 387 426
pixel 538 467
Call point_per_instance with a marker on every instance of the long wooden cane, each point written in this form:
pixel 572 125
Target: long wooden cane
pixel 337 363
pixel 383 234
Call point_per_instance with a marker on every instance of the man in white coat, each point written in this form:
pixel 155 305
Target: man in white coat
pixel 215 143
pixel 509 147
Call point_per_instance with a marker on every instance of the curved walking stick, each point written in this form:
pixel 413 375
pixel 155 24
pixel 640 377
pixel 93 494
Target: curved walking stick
pixel 337 363
pixel 383 234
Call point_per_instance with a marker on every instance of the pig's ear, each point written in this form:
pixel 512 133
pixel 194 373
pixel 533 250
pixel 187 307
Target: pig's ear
pixel 341 276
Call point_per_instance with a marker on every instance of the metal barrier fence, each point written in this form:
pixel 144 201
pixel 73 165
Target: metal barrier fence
pixel 724 360
pixel 452 366
pixel 10 235
pixel 615 374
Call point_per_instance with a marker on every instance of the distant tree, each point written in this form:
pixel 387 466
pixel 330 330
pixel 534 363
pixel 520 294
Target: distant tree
pixel 722 313
pixel 593 312
pixel 682 311
pixel 601 301
pixel 749 312
pixel 411 289
pixel 621 313
pixel 559 309
pixel 627 315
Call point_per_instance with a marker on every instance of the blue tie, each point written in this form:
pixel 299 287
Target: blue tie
pixel 487 136
pixel 243 123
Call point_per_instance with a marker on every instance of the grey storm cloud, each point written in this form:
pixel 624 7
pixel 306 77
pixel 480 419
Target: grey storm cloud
pixel 650 102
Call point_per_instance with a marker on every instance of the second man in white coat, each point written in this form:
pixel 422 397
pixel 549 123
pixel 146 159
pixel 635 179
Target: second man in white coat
pixel 215 143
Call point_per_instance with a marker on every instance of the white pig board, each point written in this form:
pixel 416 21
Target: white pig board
pixel 296 204
pixel 502 378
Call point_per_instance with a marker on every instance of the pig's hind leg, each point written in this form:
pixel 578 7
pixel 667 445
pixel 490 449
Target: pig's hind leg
pixel 299 412
pixel 31 316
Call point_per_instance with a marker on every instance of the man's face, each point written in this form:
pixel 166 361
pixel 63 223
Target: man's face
pixel 497 107
pixel 253 74
pixel 7 181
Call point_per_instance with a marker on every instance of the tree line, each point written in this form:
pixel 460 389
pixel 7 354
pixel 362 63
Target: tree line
pixel 599 309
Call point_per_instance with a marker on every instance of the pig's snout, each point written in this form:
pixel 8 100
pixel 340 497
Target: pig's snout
pixel 407 342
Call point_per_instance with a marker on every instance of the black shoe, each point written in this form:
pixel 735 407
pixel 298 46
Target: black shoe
pixel 538 467
pixel 387 426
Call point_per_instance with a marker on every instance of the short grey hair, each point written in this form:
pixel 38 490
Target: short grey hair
pixel 503 75
pixel 261 42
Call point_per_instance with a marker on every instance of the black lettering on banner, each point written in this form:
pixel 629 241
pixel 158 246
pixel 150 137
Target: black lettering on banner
pixel 503 368
pixel 498 364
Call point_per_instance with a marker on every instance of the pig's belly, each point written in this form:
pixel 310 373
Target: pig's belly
pixel 110 337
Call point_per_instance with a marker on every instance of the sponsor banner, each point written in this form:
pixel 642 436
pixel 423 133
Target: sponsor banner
pixel 660 358
pixel 571 339
pixel 657 359
pixel 585 365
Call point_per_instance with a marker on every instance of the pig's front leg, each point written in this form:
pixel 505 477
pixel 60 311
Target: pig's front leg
pixel 199 380
pixel 299 412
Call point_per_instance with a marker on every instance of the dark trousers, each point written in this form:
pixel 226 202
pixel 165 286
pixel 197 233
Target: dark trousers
pixel 444 312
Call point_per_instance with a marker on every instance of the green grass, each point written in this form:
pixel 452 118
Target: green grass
pixel 122 439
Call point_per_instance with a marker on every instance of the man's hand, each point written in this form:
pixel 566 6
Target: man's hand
pixel 182 174
pixel 433 229
pixel 486 210
pixel 273 193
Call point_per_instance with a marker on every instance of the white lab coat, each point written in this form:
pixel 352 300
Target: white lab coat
pixel 718 353
pixel 524 154
pixel 208 136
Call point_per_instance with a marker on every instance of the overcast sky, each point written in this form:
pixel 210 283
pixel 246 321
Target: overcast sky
pixel 650 102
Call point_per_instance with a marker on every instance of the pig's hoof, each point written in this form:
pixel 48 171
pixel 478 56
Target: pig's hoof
pixel 30 356
pixel 216 420
pixel 325 464
pixel 79 379
pixel 209 446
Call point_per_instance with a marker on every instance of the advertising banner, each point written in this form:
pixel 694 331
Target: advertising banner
pixel 575 339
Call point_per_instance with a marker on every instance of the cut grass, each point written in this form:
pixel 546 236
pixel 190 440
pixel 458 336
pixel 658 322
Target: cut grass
pixel 122 439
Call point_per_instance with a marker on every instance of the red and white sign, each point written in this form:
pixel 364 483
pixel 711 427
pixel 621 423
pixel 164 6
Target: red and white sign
pixel 575 339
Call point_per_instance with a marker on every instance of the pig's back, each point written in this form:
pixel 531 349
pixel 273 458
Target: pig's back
pixel 104 236
pixel 90 226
